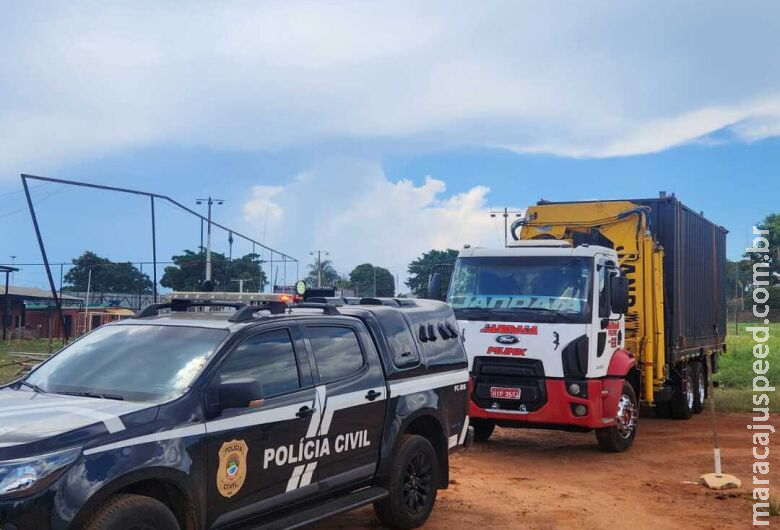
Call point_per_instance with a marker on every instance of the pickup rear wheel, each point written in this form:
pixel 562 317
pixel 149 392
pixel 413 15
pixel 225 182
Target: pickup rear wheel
pixel 620 436
pixel 412 484
pixel 483 429
pixel 133 512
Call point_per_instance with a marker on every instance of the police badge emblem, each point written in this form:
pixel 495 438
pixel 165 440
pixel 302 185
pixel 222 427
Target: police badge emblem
pixel 231 471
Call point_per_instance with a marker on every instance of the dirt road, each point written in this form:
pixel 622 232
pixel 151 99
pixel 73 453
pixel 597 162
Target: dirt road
pixel 548 480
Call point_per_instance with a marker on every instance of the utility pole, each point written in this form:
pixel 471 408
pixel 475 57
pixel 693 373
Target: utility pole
pixel 230 255
pixel 241 283
pixel 319 254
pixel 13 260
pixel 210 201
pixel 374 267
pixel 505 213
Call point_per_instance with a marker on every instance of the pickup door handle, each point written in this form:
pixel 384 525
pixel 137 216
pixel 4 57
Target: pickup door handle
pixel 372 395
pixel 305 412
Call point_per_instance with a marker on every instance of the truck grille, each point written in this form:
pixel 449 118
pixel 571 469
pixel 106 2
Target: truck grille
pixel 525 374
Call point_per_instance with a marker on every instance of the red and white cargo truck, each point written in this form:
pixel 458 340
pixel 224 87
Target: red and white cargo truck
pixel 595 308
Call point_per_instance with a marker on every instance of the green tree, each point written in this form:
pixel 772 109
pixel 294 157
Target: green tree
pixel 248 268
pixel 187 272
pixel 772 223
pixel 420 270
pixel 738 275
pixel 106 276
pixel 330 276
pixel 365 275
pixel 774 297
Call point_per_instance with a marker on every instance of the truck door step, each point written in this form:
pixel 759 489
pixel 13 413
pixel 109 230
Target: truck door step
pixel 322 510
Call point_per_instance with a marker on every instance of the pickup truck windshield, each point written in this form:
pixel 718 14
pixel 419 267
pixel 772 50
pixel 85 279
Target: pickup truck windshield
pixel 132 362
pixel 532 289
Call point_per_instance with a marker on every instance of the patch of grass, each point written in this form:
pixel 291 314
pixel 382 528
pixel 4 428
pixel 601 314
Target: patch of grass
pixel 736 366
pixel 739 400
pixel 774 508
pixel 735 375
pixel 8 373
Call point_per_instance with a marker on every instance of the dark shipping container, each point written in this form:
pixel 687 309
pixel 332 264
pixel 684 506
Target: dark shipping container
pixel 694 276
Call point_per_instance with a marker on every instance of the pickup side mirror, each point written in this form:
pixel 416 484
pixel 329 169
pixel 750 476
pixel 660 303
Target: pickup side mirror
pixel 434 286
pixel 618 294
pixel 238 393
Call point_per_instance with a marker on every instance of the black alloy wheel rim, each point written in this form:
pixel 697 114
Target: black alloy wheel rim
pixel 417 484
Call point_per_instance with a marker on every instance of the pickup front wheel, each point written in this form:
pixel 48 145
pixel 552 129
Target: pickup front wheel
pixel 412 484
pixel 133 512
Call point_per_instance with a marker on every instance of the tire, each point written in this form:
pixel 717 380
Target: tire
pixel 699 386
pixel 663 410
pixel 620 436
pixel 412 484
pixel 483 429
pixel 683 398
pixel 130 512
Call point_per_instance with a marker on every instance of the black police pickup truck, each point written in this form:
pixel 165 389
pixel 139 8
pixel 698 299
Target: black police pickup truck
pixel 268 416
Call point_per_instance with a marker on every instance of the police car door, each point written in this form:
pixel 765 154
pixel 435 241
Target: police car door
pixel 255 461
pixel 350 382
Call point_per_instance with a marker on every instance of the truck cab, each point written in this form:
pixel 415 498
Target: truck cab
pixel 543 323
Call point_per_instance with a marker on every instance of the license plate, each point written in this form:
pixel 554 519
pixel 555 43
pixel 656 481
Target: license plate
pixel 497 392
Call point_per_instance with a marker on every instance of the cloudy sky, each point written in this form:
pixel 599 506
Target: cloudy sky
pixel 378 130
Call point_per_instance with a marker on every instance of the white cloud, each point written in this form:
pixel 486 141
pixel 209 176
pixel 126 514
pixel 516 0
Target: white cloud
pixel 351 209
pixel 261 205
pixel 752 121
pixel 583 79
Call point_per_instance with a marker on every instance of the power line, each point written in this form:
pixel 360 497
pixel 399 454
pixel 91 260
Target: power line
pixel 505 213
pixel 8 193
pixel 39 201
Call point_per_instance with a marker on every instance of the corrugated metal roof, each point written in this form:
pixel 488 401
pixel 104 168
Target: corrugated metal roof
pixel 32 293
pixel 120 311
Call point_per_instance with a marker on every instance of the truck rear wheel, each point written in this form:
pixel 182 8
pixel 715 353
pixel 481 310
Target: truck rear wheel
pixel 412 484
pixel 662 410
pixel 130 512
pixel 683 397
pixel 483 429
pixel 699 386
pixel 620 436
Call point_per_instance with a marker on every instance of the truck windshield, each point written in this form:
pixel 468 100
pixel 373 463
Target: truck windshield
pixel 132 362
pixel 531 289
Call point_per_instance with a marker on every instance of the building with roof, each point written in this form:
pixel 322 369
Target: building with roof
pixel 31 312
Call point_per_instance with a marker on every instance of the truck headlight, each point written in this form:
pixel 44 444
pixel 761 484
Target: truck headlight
pixel 26 475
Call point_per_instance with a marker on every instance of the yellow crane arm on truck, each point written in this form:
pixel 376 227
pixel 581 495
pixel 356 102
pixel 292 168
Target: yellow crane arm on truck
pixel 625 225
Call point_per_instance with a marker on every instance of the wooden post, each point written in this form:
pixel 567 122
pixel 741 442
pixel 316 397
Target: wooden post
pixel 50 330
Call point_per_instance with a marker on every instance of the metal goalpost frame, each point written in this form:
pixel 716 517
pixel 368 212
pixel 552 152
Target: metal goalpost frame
pixel 152 196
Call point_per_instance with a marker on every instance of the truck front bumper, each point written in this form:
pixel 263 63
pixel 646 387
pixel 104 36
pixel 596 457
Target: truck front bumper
pixel 593 408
